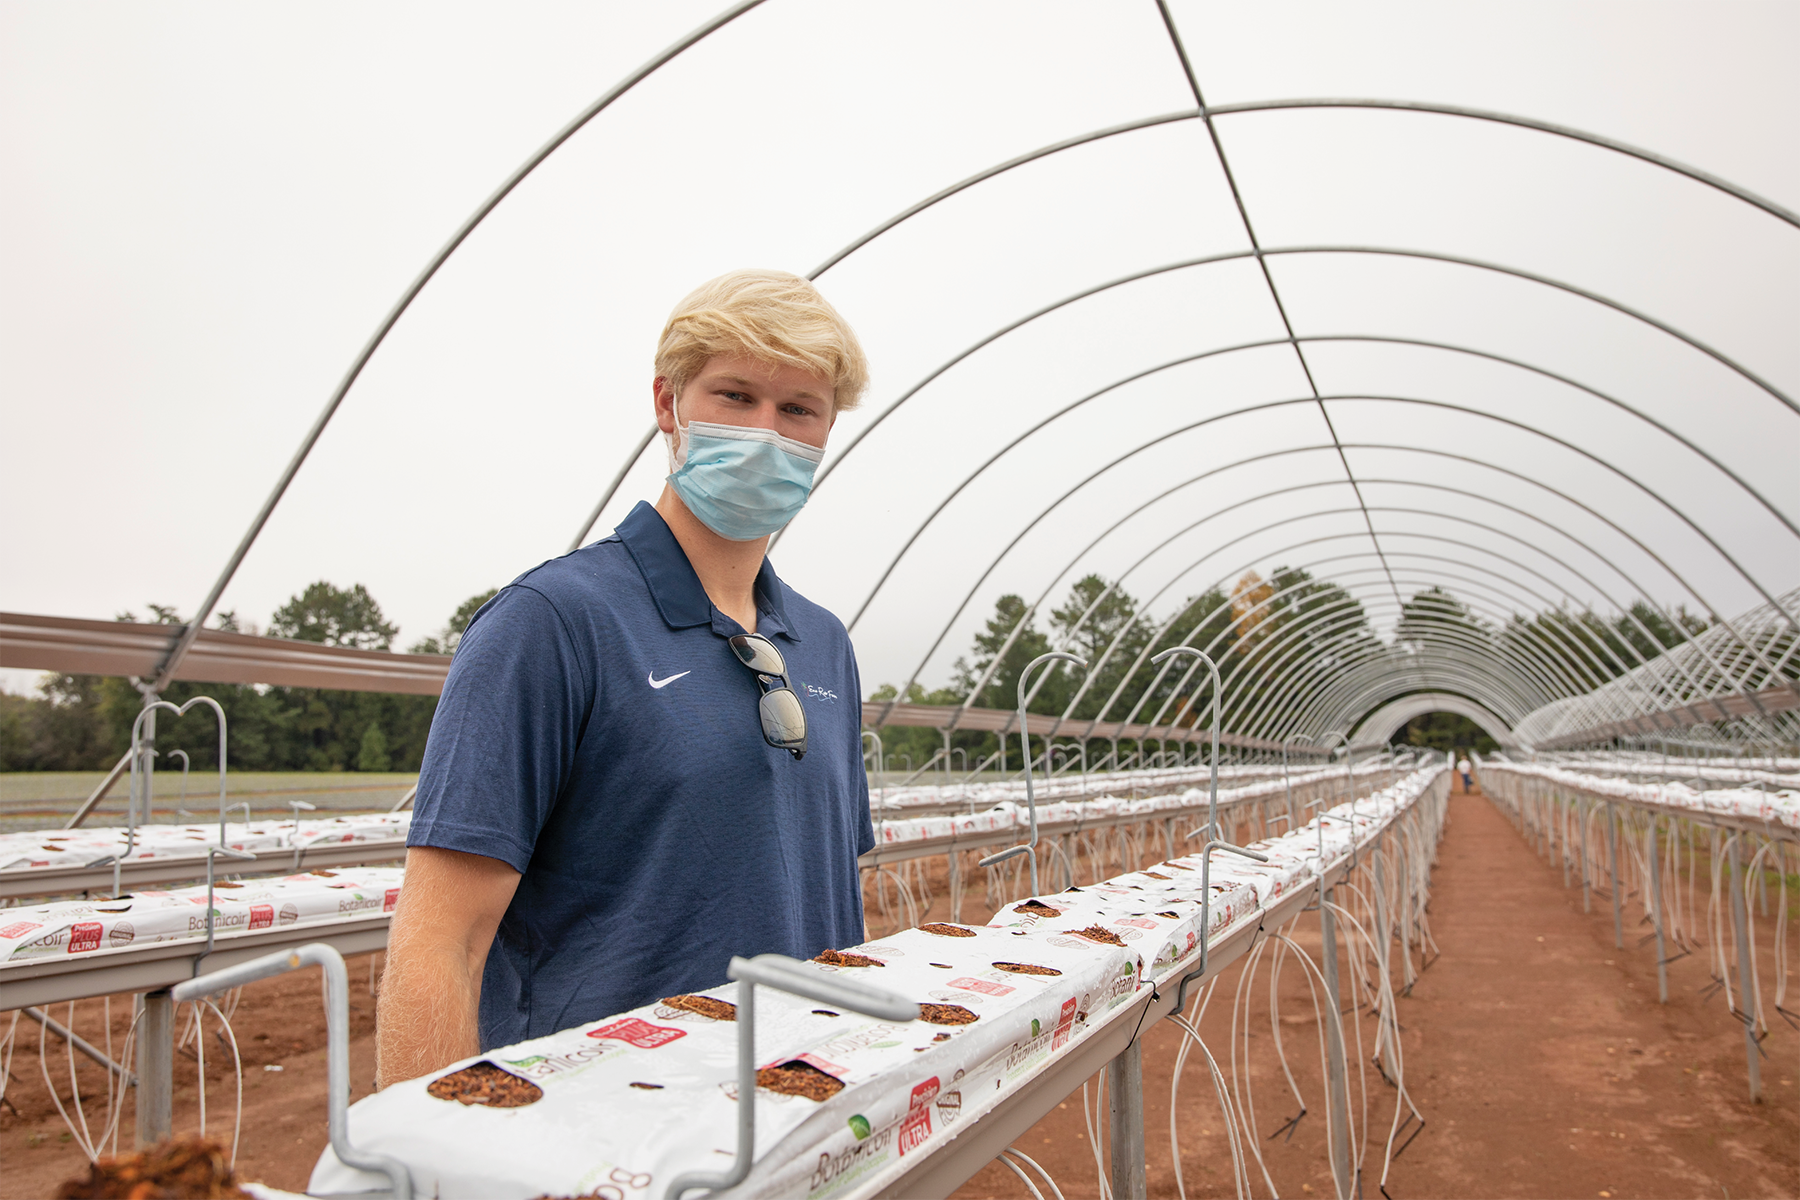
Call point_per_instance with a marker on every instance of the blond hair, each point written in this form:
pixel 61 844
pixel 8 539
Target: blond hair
pixel 772 316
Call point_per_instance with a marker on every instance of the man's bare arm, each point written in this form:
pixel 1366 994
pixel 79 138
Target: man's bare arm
pixel 450 906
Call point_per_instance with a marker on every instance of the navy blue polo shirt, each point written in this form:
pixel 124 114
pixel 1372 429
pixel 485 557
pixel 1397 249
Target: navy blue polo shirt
pixel 597 734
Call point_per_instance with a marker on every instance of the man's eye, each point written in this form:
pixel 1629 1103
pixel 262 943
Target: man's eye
pixel 734 395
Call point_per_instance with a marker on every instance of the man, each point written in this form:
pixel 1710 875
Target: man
pixel 1468 783
pixel 647 757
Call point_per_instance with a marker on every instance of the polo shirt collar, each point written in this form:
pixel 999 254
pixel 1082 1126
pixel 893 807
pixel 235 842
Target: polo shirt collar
pixel 675 588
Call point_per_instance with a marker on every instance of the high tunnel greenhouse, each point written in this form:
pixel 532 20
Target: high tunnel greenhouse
pixel 1248 384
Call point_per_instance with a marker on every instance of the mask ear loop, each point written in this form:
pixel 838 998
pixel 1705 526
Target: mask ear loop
pixel 677 442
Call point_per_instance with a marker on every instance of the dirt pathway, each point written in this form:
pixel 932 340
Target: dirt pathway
pixel 1538 1053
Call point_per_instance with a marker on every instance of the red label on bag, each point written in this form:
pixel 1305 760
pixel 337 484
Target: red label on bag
pixel 1140 922
pixel 392 898
pixel 641 1034
pixel 925 1093
pixel 983 986
pixel 84 936
pixel 1065 1024
pixel 262 916
pixel 916 1128
pixel 18 929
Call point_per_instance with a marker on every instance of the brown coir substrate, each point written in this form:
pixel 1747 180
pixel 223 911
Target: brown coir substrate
pixel 946 1014
pixel 799 1079
pixel 1037 908
pixel 706 1006
pixel 1099 933
pixel 837 958
pixel 486 1084
pixel 179 1167
pixel 1026 968
pixel 943 930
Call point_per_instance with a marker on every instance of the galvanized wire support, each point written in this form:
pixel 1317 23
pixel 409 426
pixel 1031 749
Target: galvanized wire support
pixel 1656 916
pixel 788 975
pixel 1612 833
pixel 337 1047
pixel 1747 998
pixel 1029 847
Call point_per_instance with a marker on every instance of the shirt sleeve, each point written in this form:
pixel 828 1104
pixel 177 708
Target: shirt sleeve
pixel 865 830
pixel 504 737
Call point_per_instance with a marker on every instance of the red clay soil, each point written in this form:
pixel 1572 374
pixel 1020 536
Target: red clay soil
pixel 1536 1050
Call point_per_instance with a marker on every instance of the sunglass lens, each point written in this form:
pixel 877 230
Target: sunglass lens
pixel 783 720
pixel 759 654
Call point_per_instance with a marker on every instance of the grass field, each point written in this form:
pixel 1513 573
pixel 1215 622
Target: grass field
pixel 44 799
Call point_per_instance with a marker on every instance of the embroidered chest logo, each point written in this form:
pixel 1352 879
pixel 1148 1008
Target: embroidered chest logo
pixel 663 683
pixel 815 692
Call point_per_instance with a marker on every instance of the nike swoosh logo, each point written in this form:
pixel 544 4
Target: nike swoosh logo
pixel 663 683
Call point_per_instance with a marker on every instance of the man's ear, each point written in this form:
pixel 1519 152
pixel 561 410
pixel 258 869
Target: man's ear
pixel 662 396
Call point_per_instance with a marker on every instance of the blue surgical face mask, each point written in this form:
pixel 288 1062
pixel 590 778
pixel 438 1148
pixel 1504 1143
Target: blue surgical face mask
pixel 742 483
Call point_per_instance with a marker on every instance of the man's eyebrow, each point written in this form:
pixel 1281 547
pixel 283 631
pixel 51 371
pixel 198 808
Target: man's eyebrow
pixel 802 394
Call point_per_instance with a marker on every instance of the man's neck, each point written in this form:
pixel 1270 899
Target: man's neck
pixel 727 569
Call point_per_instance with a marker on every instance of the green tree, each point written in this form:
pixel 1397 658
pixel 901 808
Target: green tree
pixel 446 639
pixel 334 616
pixel 372 755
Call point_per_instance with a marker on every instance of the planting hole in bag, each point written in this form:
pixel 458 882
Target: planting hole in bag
pixel 1026 968
pixel 839 958
pixel 943 930
pixel 796 1078
pixel 1095 933
pixel 486 1084
pixel 705 1006
pixel 946 1014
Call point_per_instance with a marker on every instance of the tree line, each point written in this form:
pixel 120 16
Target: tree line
pixel 1268 637
pixel 83 722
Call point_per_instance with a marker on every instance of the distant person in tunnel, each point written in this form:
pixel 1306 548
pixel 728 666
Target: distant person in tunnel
pixel 1463 766
pixel 647 757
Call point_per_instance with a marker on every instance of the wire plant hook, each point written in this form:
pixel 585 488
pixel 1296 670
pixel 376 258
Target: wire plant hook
pixel 138 751
pixel 1212 798
pixel 1029 847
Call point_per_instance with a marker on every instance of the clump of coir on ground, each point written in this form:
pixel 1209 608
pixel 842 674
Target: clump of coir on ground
pixel 946 1014
pixel 1026 969
pixel 1096 933
pixel 178 1167
pixel 485 1084
pixel 706 1006
pixel 839 958
pixel 798 1078
pixel 1037 908
pixel 943 930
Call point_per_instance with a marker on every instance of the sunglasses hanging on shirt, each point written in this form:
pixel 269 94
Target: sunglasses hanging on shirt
pixel 783 719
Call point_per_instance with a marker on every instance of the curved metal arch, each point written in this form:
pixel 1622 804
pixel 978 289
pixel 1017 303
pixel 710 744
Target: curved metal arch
pixel 185 640
pixel 1338 537
pixel 1126 628
pixel 1239 255
pixel 1358 696
pixel 1388 719
pixel 1185 360
pixel 1295 651
pixel 1432 452
pixel 1591 456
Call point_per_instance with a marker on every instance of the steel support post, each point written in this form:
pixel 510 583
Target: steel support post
pixel 1612 833
pixel 1656 916
pixel 1125 1098
pixel 1740 938
pixel 1586 891
pixel 1337 1076
pixel 155 1067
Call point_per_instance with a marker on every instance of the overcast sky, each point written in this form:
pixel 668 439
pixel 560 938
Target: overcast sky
pixel 206 208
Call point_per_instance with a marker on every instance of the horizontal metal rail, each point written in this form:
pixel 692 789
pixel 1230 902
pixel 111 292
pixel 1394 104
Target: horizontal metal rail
pixel 133 874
